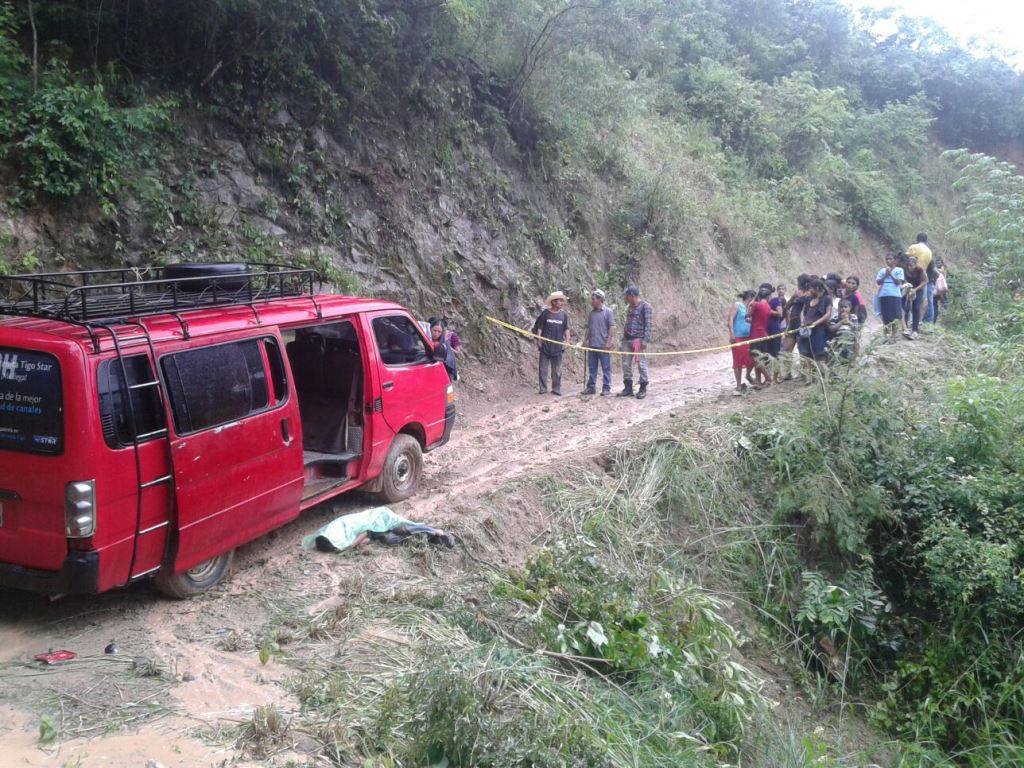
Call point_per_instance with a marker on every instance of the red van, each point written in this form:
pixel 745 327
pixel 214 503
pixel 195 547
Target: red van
pixel 153 420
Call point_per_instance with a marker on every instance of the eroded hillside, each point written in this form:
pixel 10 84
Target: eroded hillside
pixel 467 158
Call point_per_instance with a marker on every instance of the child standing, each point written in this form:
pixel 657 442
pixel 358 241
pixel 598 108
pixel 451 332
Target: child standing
pixel 843 331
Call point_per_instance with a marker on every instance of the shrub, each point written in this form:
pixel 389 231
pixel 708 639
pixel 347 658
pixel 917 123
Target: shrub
pixel 846 616
pixel 917 506
pixel 647 630
pixel 68 136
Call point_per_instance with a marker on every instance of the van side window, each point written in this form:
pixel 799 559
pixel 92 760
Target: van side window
pixel 146 406
pixel 216 385
pixel 278 379
pixel 400 342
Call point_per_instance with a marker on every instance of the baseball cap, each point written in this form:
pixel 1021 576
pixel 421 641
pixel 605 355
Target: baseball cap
pixel 598 292
pixel 631 291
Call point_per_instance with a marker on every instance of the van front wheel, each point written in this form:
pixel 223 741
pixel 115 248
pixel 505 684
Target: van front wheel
pixel 195 580
pixel 402 469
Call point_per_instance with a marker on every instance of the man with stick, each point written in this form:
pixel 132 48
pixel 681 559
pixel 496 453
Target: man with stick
pixel 600 325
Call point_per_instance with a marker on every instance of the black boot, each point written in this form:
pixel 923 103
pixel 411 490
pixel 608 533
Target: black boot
pixel 627 389
pixel 642 392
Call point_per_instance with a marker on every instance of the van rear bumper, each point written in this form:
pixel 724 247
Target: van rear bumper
pixel 80 575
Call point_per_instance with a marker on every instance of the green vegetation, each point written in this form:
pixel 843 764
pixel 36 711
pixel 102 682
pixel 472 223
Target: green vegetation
pixel 875 530
pixel 988 307
pixel 910 515
pixel 595 653
pixel 692 130
pixel 64 134
pixel 894 504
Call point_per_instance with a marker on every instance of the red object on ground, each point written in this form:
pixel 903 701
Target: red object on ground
pixel 55 657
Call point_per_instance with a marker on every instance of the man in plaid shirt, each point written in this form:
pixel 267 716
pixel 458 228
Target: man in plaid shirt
pixel 636 335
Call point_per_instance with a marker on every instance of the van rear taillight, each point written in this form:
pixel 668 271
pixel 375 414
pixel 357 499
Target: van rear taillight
pixel 450 394
pixel 80 509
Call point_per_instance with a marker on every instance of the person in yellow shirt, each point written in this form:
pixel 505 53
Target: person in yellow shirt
pixel 921 251
pixel 923 254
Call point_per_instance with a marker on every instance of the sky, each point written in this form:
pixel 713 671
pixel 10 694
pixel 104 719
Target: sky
pixel 992 22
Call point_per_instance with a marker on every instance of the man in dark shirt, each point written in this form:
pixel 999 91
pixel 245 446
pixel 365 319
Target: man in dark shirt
pixel 636 335
pixel 553 324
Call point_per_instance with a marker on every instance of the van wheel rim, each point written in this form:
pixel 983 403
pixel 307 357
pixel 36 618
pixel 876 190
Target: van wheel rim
pixel 403 471
pixel 203 571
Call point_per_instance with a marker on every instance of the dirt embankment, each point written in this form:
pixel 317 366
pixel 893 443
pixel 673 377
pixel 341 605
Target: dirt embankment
pixel 409 209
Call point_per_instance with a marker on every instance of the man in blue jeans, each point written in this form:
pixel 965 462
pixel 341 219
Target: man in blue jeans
pixel 925 260
pixel 598 335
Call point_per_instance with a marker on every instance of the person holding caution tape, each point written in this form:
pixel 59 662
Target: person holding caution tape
pixel 636 335
pixel 552 324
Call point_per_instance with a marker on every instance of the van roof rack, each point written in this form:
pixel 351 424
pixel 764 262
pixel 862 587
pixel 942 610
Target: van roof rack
pixel 109 294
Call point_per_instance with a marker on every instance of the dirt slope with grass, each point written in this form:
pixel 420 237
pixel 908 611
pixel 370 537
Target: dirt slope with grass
pixel 188 675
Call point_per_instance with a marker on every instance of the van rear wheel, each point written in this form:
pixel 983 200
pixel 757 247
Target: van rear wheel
pixel 195 580
pixel 402 469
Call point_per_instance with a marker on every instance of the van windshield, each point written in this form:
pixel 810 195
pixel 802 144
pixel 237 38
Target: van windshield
pixel 31 405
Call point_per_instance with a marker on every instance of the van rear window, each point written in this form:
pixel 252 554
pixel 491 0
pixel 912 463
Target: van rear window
pixel 146 413
pixel 31 402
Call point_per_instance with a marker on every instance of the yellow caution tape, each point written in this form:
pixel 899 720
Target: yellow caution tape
pixel 705 350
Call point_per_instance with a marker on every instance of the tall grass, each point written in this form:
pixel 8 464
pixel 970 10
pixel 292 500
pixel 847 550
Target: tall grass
pixel 627 638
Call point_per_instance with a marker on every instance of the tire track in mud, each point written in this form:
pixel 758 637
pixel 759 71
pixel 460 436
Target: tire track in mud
pixel 529 432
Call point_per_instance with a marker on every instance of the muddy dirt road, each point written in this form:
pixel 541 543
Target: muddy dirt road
pixel 192 669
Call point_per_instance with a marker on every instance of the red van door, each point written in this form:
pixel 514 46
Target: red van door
pixel 413 385
pixel 236 444
pixel 136 487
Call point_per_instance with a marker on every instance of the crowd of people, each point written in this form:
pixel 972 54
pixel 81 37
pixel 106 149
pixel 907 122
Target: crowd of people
pixel 821 321
pixel 774 335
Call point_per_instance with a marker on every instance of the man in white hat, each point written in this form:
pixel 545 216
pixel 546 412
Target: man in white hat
pixel 599 335
pixel 553 324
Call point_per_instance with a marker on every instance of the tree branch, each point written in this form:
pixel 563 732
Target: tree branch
pixel 35 46
pixel 536 51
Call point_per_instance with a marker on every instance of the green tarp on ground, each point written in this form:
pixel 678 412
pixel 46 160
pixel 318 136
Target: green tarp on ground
pixel 343 531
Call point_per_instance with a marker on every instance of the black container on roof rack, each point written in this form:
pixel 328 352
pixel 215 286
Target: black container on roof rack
pixel 108 294
pixel 230 276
